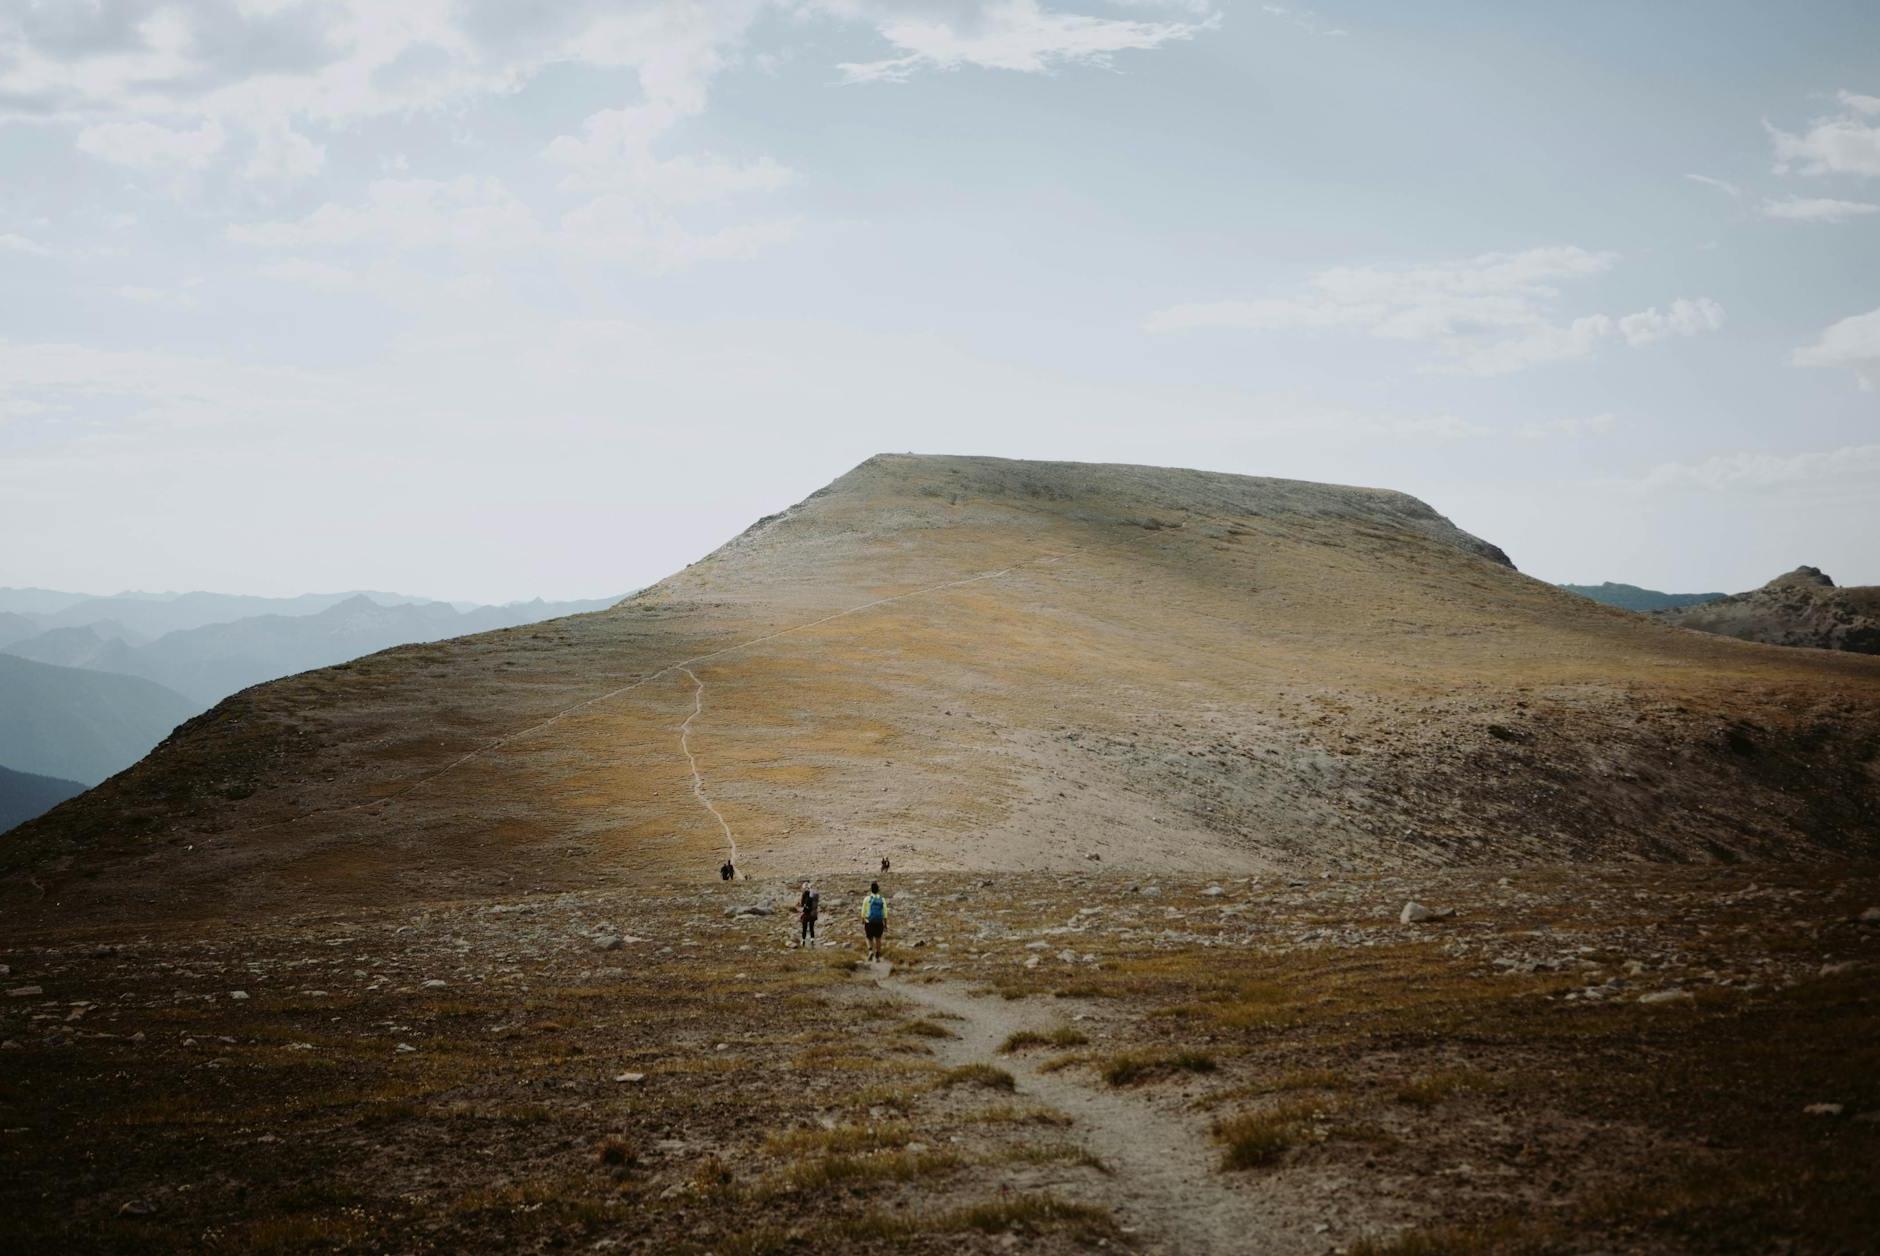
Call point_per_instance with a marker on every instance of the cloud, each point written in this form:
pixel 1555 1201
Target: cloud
pixel 323 276
pixel 1816 209
pixel 1575 427
pixel 1852 343
pixel 1683 318
pixel 1720 184
pixel 1486 315
pixel 180 298
pixel 1019 35
pixel 1841 143
pixel 20 244
pixel 1746 470
pixel 147 146
pixel 469 214
pixel 465 212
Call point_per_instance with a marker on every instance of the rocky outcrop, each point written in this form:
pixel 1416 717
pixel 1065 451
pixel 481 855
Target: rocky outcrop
pixel 1803 607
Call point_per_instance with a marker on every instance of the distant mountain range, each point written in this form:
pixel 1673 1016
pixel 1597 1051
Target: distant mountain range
pixel 207 661
pixel 81 725
pixel 89 684
pixel 1632 598
pixel 24 795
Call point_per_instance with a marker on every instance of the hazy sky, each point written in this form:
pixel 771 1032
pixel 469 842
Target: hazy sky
pixel 488 299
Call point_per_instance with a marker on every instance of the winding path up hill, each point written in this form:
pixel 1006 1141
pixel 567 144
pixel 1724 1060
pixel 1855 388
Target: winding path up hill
pixel 976 663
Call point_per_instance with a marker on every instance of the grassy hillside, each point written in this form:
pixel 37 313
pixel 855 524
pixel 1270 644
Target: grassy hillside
pixel 974 663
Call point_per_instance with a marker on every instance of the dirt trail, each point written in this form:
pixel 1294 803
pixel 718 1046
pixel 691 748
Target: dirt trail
pixel 698 782
pixel 1166 1186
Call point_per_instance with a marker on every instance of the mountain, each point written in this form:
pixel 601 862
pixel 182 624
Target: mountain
pixel 37 601
pixel 81 725
pixel 153 615
pixel 211 661
pixel 985 664
pixel 1802 608
pixel 1632 598
pixel 85 646
pixel 16 627
pixel 24 795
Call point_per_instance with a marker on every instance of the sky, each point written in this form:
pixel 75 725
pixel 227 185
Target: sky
pixel 486 300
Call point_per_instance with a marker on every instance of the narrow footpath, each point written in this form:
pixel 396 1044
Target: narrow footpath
pixel 1167 1185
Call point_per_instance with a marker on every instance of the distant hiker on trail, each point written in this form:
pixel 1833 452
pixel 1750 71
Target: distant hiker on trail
pixel 874 919
pixel 726 871
pixel 807 909
pixel 884 863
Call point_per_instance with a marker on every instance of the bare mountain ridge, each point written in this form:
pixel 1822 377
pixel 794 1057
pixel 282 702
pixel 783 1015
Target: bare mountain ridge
pixel 1803 607
pixel 977 663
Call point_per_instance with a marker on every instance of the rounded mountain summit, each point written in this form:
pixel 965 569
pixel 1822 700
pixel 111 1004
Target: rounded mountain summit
pixel 975 663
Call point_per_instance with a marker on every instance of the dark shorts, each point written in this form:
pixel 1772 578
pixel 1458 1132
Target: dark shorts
pixel 874 928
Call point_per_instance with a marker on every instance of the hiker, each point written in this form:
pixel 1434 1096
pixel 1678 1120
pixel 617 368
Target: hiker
pixel 884 863
pixel 874 919
pixel 726 871
pixel 807 908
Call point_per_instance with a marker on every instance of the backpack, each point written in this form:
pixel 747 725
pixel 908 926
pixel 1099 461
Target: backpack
pixel 877 909
pixel 812 903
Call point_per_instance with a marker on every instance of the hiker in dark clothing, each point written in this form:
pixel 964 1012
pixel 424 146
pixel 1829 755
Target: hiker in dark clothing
pixel 726 871
pixel 808 907
pixel 884 863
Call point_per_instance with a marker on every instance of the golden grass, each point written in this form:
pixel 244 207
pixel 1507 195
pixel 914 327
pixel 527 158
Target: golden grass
pixel 1131 1067
pixel 1064 1036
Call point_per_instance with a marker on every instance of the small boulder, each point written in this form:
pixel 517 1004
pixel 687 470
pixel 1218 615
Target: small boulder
pixel 24 992
pixel 608 942
pixel 630 1078
pixel 1415 913
pixel 240 996
pixel 1666 996
pixel 1823 1109
pixel 436 983
pixel 1213 891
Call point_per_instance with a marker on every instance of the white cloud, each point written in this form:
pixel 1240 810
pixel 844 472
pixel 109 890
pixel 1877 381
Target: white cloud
pixel 20 244
pixel 1724 472
pixel 147 146
pixel 1575 427
pixel 465 212
pixel 1837 144
pixel 323 276
pixel 1487 315
pixel 180 298
pixel 1816 209
pixel 1852 343
pixel 1721 185
pixel 284 155
pixel 1683 318
pixel 1019 35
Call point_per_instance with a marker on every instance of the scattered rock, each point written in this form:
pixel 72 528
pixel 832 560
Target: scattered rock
pixel 24 992
pixel 1213 891
pixel 436 984
pixel 1415 913
pixel 634 1078
pixel 1666 996
pixel 609 942
pixel 1871 916
pixel 405 1048
pixel 136 1208
pixel 240 996
pixel 1823 1109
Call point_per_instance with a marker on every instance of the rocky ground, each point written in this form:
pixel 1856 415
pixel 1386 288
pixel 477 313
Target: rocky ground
pixel 1625 1058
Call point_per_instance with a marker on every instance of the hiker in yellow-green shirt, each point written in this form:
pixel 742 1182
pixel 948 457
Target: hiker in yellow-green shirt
pixel 874 919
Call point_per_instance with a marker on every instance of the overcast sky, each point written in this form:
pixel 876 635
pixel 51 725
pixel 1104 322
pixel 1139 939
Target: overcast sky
pixel 483 299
